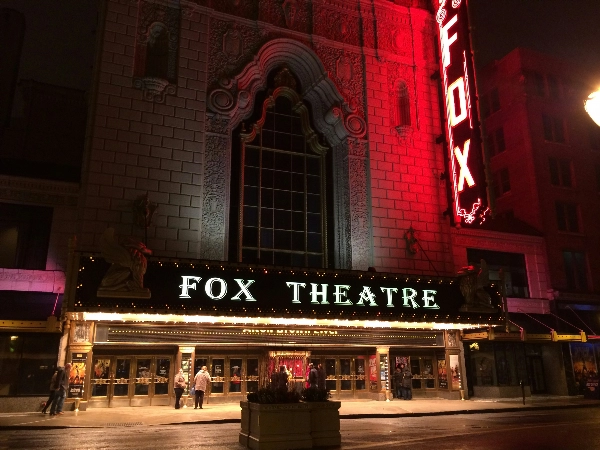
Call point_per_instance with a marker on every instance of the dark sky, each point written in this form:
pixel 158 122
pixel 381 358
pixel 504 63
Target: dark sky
pixel 569 29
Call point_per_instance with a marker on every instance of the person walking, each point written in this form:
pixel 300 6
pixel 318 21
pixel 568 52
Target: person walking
pixel 61 386
pixel 407 383
pixel 201 381
pixel 179 387
pixel 397 379
pixel 52 394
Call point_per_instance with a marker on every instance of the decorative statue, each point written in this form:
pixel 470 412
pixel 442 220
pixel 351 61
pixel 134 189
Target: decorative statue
pixel 473 280
pixel 125 277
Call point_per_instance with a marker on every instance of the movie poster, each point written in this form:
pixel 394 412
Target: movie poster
pixel 77 375
pixel 584 364
pixel 455 371
pixel 401 360
pixel 442 374
pixel 373 371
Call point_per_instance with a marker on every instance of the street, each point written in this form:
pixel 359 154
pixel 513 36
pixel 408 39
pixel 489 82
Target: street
pixel 548 430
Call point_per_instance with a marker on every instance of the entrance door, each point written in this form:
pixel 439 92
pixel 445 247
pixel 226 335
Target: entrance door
pixel 535 370
pixel 130 381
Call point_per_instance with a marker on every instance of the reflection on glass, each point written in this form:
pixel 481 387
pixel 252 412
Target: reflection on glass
pixel 217 375
pixel 360 373
pixel 252 375
pixel 346 383
pixel 142 376
pixel 330 382
pixel 100 377
pixel 428 373
pixel 122 377
pixel 235 375
pixel 161 378
pixel 415 368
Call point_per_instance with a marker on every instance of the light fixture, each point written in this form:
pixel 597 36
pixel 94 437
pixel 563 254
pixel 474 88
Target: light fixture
pixel 592 106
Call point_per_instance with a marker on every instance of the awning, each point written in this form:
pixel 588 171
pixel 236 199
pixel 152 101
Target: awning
pixel 585 317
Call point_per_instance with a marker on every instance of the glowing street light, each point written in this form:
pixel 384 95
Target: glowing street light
pixel 592 106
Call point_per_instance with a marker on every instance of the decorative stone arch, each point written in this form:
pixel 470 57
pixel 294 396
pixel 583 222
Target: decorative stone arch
pixel 232 101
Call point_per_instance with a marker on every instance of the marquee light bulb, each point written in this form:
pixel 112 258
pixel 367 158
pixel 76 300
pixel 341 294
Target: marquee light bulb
pixel 592 106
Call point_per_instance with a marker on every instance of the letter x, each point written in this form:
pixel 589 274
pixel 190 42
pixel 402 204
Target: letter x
pixel 465 174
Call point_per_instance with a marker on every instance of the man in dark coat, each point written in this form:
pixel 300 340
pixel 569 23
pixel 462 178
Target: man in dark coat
pixel 321 376
pixel 312 376
pixel 61 387
pixel 407 383
pixel 397 379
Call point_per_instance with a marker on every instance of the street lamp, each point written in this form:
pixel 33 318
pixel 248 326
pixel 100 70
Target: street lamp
pixel 592 106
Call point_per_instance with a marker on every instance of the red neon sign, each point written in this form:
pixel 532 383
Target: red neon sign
pixel 462 126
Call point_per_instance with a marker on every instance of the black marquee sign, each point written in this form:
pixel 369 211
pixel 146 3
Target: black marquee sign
pixel 192 288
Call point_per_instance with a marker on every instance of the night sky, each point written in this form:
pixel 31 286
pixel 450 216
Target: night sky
pixel 569 29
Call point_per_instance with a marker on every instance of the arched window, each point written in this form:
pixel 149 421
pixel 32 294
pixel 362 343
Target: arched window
pixel 157 57
pixel 280 171
pixel 403 105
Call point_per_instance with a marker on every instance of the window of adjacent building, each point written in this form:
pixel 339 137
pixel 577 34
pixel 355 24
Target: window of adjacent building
pixel 553 87
pixel 553 129
pixel 27 361
pixel 594 136
pixel 489 103
pixel 496 141
pixel 560 172
pixel 567 217
pixel 501 182
pixel 403 106
pixel 24 236
pixel 539 83
pixel 498 364
pixel 575 270
pixel 494 100
pixel 512 265
pixel 282 199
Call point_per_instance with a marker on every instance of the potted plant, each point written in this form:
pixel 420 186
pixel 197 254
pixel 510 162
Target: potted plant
pixel 277 418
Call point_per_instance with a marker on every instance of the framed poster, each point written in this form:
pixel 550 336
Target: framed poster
pixel 373 372
pixel 77 375
pixel 455 372
pixel 442 374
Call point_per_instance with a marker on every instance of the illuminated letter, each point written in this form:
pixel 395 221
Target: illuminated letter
pixel 340 291
pixel 465 173
pixel 447 41
pixel 244 290
pixel 408 295
pixel 185 285
pixel 462 99
pixel 314 293
pixel 389 291
pixel 296 287
pixel 367 295
pixel 428 300
pixel 208 288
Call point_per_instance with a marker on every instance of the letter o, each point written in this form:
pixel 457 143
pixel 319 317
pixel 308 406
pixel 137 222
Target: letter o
pixel 208 288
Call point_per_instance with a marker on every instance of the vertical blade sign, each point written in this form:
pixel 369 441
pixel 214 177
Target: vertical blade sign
pixel 462 123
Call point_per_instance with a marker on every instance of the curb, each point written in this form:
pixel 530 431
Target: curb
pixel 342 417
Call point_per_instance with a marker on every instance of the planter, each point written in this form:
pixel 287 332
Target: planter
pixel 289 425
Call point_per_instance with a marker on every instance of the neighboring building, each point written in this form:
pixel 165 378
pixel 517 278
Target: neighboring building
pixel 44 77
pixel 544 154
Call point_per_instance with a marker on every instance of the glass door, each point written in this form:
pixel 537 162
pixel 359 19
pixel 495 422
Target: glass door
pixel 121 376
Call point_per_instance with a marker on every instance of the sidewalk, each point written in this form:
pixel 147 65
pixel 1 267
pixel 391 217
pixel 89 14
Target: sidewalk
pixel 230 413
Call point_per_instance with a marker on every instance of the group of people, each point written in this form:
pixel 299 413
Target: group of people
pixel 201 381
pixel 316 376
pixel 314 379
pixel 59 385
pixel 402 379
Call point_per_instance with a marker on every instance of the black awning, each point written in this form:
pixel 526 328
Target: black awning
pixel 533 323
pixel 584 317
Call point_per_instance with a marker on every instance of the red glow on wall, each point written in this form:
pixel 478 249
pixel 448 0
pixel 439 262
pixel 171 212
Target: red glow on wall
pixel 462 126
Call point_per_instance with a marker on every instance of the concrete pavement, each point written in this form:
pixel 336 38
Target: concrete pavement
pixel 230 413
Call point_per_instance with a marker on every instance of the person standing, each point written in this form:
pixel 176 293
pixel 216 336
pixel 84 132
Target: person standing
pixel 201 381
pixel 52 394
pixel 397 379
pixel 312 376
pixel 179 387
pixel 61 386
pixel 407 383
pixel 321 377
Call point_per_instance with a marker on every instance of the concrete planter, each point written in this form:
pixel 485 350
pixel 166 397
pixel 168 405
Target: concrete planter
pixel 290 425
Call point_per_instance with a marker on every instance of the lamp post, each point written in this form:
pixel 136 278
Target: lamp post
pixel 592 106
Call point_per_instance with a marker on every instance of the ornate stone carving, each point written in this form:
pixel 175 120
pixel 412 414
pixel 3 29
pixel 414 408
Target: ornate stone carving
pixel 233 43
pixel 291 14
pixel 125 277
pixel 361 244
pixel 81 334
pixel 473 281
pixel 338 23
pixel 157 45
pixel 217 158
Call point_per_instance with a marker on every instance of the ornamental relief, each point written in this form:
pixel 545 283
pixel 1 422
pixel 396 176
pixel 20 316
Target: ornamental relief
pixel 359 213
pixel 231 45
pixel 398 73
pixel 290 14
pixel 241 8
pixel 337 26
pixel 341 64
